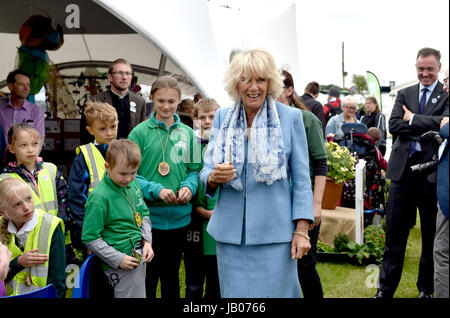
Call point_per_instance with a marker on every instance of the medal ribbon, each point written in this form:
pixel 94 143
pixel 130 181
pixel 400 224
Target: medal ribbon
pixel 136 218
pixel 165 147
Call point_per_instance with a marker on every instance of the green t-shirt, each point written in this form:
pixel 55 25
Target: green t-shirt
pixel 109 215
pixel 209 244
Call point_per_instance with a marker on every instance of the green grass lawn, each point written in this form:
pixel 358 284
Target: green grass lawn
pixel 350 281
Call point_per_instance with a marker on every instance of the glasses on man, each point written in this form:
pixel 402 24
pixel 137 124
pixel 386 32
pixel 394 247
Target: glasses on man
pixel 122 73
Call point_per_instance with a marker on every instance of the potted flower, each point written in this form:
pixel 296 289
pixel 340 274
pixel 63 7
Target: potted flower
pixel 341 167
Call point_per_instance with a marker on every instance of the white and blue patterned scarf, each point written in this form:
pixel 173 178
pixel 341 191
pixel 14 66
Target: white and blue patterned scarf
pixel 266 146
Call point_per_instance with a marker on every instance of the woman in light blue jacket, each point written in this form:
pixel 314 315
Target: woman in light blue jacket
pixel 258 156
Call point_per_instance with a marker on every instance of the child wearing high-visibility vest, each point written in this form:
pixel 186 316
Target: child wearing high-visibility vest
pixel 35 239
pixel 22 161
pixel 88 166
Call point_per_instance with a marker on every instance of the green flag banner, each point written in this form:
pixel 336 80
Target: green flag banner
pixel 374 87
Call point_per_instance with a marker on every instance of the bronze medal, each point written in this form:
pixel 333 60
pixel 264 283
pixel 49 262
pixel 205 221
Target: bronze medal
pixel 138 219
pixel 163 168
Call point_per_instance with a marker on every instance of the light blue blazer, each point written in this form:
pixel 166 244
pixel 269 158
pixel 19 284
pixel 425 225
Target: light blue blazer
pixel 263 214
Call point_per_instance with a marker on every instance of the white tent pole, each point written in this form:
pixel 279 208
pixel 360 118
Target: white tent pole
pixel 360 184
pixel 87 48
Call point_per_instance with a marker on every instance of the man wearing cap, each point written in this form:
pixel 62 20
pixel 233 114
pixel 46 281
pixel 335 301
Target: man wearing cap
pixel 130 107
pixel 333 107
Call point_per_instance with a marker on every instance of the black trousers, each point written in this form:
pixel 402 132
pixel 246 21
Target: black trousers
pixel 413 191
pixel 198 270
pixel 306 267
pixel 168 247
pixel 199 267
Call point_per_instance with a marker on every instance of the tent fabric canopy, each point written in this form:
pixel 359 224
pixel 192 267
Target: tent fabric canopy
pixel 195 37
pixel 191 46
pixel 93 18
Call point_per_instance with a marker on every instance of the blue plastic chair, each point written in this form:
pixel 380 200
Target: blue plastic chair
pixel 81 288
pixel 48 291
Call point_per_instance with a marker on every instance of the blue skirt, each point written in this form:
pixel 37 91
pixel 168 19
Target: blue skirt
pixel 257 271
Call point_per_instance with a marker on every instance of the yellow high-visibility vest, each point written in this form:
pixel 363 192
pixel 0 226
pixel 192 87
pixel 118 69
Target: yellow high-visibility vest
pixel 94 162
pixel 45 196
pixel 38 238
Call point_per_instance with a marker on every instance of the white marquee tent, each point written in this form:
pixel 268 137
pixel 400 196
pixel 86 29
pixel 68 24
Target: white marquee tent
pixel 178 36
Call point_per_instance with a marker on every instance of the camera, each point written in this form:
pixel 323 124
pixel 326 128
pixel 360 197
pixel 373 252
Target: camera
pixel 430 165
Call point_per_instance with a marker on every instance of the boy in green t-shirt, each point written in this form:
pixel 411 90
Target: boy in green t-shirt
pixel 200 257
pixel 117 226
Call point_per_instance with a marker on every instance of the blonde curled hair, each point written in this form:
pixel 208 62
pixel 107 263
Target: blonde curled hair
pixel 256 62
pixel 99 110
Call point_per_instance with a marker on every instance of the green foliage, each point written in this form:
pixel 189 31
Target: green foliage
pixel 341 164
pixel 340 242
pixel 374 241
pixel 374 234
pixel 360 83
pixel 322 247
pixel 362 106
pixel 358 251
pixel 386 187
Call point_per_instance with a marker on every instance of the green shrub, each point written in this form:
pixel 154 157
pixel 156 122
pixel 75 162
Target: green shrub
pixel 322 247
pixel 340 242
pixel 373 246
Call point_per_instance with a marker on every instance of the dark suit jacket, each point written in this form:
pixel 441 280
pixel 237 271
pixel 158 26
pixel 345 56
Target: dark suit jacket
pixel 403 133
pixel 442 175
pixel 135 117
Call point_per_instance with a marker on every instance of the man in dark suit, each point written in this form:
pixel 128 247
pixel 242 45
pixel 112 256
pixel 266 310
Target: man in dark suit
pixel 417 109
pixel 130 107
pixel 441 250
pixel 311 92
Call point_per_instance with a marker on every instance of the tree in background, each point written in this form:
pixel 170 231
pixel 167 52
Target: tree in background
pixel 360 87
pixel 360 84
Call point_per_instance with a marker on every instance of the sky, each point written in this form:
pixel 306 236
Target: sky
pixel 381 36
